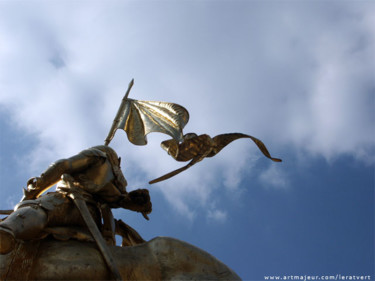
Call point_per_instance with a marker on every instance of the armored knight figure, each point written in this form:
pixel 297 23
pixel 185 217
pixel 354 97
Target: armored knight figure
pixel 95 172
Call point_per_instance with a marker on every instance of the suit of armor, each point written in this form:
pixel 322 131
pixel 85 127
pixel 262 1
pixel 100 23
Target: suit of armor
pixel 96 171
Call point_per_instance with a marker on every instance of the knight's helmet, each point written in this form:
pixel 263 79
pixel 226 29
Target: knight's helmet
pixel 115 161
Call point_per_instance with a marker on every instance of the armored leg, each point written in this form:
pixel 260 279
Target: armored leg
pixel 25 223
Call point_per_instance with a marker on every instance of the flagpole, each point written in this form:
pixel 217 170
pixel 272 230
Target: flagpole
pixel 118 115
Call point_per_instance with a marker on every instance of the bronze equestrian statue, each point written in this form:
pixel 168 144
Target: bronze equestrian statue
pixel 69 234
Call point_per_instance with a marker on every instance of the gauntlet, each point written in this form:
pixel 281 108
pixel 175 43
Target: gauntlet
pixel 136 200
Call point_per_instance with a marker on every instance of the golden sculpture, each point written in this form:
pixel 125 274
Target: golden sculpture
pixel 88 186
pixel 139 118
pixel 196 148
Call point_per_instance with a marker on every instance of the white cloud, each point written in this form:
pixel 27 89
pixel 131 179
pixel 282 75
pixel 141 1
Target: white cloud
pixel 217 215
pixel 274 177
pixel 288 74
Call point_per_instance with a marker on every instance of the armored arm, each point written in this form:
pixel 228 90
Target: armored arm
pixel 77 163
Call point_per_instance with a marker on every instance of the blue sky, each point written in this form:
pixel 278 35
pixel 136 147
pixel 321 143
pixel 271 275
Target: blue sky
pixel 297 75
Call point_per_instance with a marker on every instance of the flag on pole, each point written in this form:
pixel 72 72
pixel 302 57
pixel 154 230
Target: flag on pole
pixel 139 118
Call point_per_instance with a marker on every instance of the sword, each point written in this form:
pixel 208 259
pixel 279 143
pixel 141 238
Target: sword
pixel 74 193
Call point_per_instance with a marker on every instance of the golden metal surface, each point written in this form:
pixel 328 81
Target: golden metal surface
pixel 83 201
pixel 139 118
pixel 74 193
pixel 161 259
pixel 196 148
pixel 143 117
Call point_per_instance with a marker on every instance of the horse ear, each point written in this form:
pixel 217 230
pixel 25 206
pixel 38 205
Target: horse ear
pixel 119 161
